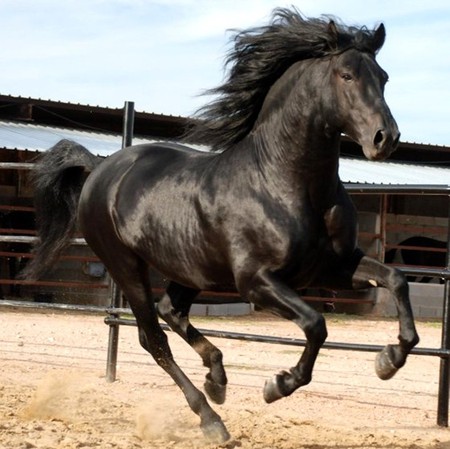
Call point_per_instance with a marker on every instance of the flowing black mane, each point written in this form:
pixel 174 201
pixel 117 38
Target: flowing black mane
pixel 259 57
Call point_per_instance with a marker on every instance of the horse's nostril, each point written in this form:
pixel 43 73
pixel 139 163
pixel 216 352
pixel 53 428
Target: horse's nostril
pixel 379 137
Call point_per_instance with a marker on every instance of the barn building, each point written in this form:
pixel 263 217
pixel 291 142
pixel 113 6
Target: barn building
pixel 403 206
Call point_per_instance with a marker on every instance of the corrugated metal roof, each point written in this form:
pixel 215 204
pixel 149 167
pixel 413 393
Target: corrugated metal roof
pixel 391 173
pixel 38 137
pixel 27 136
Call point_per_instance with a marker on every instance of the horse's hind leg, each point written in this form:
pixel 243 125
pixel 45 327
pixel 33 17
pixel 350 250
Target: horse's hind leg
pixel 132 276
pixel 174 308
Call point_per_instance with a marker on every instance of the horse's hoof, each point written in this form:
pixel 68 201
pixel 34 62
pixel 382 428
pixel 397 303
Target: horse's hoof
pixel 384 366
pixel 216 432
pixel 216 392
pixel 272 391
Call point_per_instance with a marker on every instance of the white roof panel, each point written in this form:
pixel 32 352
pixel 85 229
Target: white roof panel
pixel 27 136
pixel 38 137
pixel 391 173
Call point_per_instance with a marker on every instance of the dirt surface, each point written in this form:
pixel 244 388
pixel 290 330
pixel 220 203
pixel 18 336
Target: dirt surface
pixel 54 394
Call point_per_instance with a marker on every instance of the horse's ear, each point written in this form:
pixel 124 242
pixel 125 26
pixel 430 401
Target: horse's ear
pixel 332 31
pixel 379 37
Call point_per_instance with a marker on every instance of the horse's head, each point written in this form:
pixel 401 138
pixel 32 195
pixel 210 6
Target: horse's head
pixel 304 79
pixel 359 103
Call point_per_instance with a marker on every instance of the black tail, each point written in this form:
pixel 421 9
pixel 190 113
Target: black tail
pixel 58 180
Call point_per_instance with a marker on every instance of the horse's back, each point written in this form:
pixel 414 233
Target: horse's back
pixel 145 199
pixel 136 174
pixel 140 164
pixel 161 156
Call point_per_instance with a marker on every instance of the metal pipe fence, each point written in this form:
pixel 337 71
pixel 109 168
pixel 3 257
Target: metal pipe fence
pixel 115 315
pixel 120 316
pixel 115 319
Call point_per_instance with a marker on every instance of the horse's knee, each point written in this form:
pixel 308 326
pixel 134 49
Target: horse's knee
pixel 316 329
pixel 397 282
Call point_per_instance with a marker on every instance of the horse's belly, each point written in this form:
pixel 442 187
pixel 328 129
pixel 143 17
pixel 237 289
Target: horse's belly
pixel 173 242
pixel 194 275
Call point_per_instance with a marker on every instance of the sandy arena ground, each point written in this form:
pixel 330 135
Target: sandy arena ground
pixel 54 394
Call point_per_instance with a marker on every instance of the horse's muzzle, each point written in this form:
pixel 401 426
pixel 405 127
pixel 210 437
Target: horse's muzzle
pixel 383 144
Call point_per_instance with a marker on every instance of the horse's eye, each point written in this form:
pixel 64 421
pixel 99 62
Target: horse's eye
pixel 347 77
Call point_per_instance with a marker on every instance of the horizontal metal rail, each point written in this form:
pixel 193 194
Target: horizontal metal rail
pixel 443 273
pixel 57 306
pixel 426 249
pixel 10 208
pixel 31 239
pixel 286 341
pixel 17 166
pixel 115 319
pixel 12 231
pixel 67 284
pixel 66 257
pixel 390 189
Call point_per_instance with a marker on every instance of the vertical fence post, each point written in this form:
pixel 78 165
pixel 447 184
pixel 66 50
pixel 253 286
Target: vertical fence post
pixel 383 218
pixel 444 370
pixel 116 294
pixel 128 124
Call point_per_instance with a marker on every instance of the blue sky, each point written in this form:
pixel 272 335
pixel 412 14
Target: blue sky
pixel 163 54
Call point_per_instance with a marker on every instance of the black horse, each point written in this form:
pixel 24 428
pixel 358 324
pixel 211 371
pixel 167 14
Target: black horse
pixel 267 215
pixel 416 256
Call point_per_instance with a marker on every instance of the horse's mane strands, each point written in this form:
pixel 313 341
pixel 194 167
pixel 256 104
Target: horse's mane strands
pixel 258 58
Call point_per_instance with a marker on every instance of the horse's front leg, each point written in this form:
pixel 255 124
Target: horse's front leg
pixel 363 272
pixel 376 274
pixel 266 291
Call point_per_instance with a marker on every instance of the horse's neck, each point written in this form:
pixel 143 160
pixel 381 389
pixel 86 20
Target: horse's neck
pixel 292 134
pixel 303 161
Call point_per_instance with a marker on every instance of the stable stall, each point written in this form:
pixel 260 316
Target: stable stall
pixel 396 201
